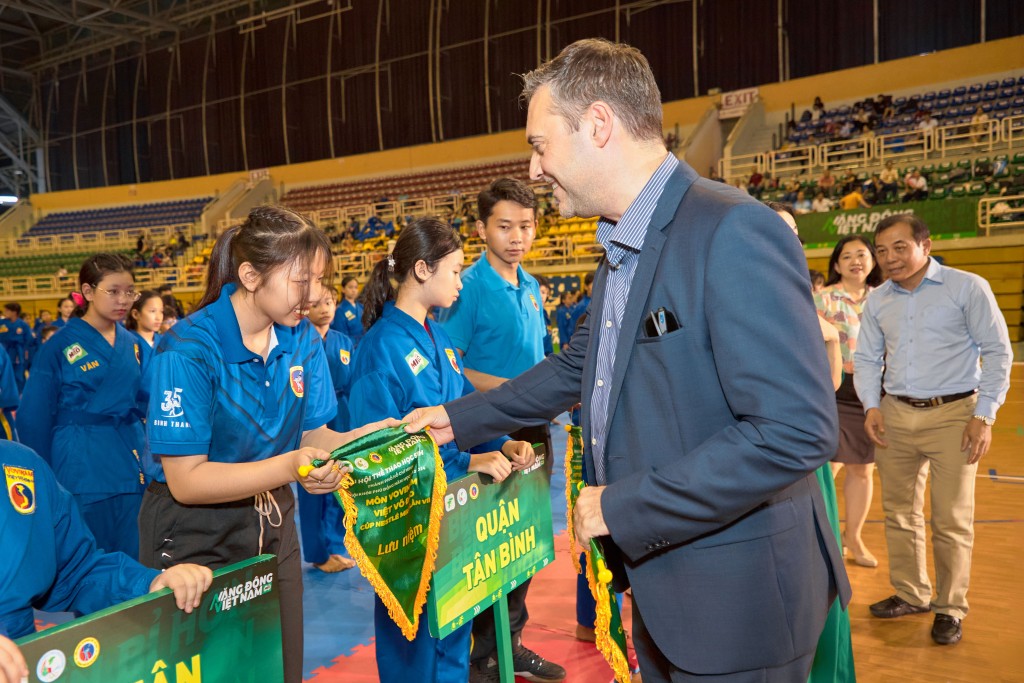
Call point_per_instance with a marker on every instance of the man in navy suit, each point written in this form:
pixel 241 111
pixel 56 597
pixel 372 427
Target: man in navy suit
pixel 707 400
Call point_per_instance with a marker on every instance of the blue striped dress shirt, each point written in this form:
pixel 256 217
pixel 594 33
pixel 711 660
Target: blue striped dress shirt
pixel 623 242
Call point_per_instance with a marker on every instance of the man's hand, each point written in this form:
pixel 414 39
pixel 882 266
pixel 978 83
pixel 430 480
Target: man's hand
pixel 874 425
pixel 435 417
pixel 587 517
pixel 12 664
pixel 976 440
pixel 369 429
pixel 521 454
pixel 187 581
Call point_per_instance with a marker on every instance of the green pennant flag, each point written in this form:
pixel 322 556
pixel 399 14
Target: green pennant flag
pixel 610 635
pixel 393 500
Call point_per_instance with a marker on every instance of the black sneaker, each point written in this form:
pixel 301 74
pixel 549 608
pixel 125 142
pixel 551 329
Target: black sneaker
pixel 484 671
pixel 532 667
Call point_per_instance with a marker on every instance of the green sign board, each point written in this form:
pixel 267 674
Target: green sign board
pixel 946 218
pixel 233 637
pixel 494 536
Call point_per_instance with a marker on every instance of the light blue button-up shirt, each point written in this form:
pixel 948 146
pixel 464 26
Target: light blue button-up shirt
pixel 930 340
pixel 623 242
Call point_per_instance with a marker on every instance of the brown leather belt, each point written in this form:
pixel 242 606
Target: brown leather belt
pixel 933 402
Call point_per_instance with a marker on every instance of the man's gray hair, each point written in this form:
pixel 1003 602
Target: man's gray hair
pixel 597 69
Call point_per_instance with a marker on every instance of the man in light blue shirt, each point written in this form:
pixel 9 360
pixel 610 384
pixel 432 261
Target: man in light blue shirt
pixel 498 327
pixel 929 326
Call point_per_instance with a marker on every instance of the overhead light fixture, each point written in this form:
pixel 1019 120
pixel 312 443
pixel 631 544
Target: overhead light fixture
pixel 8 199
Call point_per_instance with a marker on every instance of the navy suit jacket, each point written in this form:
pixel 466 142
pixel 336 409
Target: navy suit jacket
pixel 715 431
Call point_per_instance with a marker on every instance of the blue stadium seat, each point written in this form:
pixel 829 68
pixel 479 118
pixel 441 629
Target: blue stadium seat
pixel 991 85
pixel 1009 82
pixel 975 88
pixel 961 90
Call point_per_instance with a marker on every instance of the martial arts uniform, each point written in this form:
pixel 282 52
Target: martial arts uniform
pixel 348 320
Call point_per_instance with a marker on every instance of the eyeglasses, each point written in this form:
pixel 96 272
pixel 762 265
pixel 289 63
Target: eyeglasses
pixel 127 295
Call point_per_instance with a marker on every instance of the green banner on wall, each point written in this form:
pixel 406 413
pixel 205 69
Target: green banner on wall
pixel 233 637
pixel 494 536
pixel 946 218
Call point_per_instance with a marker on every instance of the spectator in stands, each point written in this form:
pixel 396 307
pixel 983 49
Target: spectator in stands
pixel 61 271
pixel 853 200
pixel 845 131
pixel 848 183
pixel 928 123
pixel 790 189
pixel 916 187
pixel 755 185
pixel 140 245
pixel 890 178
pixel 802 204
pixel 182 243
pixel 818 109
pixel 821 203
pixel 827 183
pixel 937 414
pixel 979 126
pixel 874 189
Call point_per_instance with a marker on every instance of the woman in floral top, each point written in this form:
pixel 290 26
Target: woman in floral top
pixel 852 272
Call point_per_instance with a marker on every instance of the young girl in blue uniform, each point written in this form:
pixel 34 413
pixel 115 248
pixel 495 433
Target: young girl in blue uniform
pixel 407 361
pixel 8 399
pixel 349 318
pixel 144 320
pixel 240 398
pixel 321 518
pixel 78 410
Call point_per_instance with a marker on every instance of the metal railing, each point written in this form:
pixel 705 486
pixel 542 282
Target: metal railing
pixel 1000 214
pixel 743 165
pixel 966 137
pixel 792 161
pixel 1013 130
pixel 845 153
pixel 911 145
pixel 71 242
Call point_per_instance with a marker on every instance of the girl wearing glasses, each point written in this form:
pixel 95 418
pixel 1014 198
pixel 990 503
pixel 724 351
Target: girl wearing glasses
pixel 78 410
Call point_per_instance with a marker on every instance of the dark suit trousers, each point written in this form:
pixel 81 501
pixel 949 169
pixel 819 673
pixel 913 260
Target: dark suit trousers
pixel 655 668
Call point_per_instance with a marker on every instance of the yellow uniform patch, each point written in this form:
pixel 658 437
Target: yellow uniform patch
pixel 345 356
pixel 453 359
pixel 21 488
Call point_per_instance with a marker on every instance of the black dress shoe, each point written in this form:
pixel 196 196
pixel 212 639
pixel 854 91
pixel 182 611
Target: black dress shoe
pixel 946 630
pixel 895 606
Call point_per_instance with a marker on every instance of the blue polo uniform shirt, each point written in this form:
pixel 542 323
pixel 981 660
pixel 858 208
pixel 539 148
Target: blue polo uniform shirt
pixel 211 395
pixel 499 327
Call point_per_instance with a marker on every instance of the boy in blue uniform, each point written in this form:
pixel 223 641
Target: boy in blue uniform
pixel 563 314
pixel 79 411
pixel 499 328
pixel 240 399
pixel 17 338
pixel 51 561
pixel 406 361
pixel 321 518
pixel 8 399
pixel 349 317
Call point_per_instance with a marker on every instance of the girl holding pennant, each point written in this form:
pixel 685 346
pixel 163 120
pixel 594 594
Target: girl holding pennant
pixel 79 409
pixel 406 361
pixel 240 399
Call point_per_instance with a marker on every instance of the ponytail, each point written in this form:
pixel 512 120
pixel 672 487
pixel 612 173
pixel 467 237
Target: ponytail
pixel 218 270
pixel 376 292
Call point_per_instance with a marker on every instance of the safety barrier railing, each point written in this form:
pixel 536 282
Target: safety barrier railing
pixel 845 154
pixel 1000 214
pixel 93 240
pixel 792 161
pixel 966 137
pixel 1013 130
pixel 741 166
pixel 900 147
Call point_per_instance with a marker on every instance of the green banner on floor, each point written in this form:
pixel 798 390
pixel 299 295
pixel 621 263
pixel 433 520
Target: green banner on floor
pixel 946 218
pixel 233 637
pixel 494 536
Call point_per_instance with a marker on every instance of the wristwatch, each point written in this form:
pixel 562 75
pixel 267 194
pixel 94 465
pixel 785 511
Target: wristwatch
pixel 989 421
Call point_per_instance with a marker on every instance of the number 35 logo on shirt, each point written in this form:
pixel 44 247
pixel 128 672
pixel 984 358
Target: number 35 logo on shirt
pixel 172 403
pixel 296 381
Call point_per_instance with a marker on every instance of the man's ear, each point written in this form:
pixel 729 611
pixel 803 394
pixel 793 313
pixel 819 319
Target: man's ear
pixel 602 122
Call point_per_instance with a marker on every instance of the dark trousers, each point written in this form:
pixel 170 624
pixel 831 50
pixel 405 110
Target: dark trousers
pixel 656 668
pixel 218 535
pixel 485 642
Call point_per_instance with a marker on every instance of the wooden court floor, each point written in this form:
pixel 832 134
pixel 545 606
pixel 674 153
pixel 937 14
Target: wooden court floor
pixel 992 650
